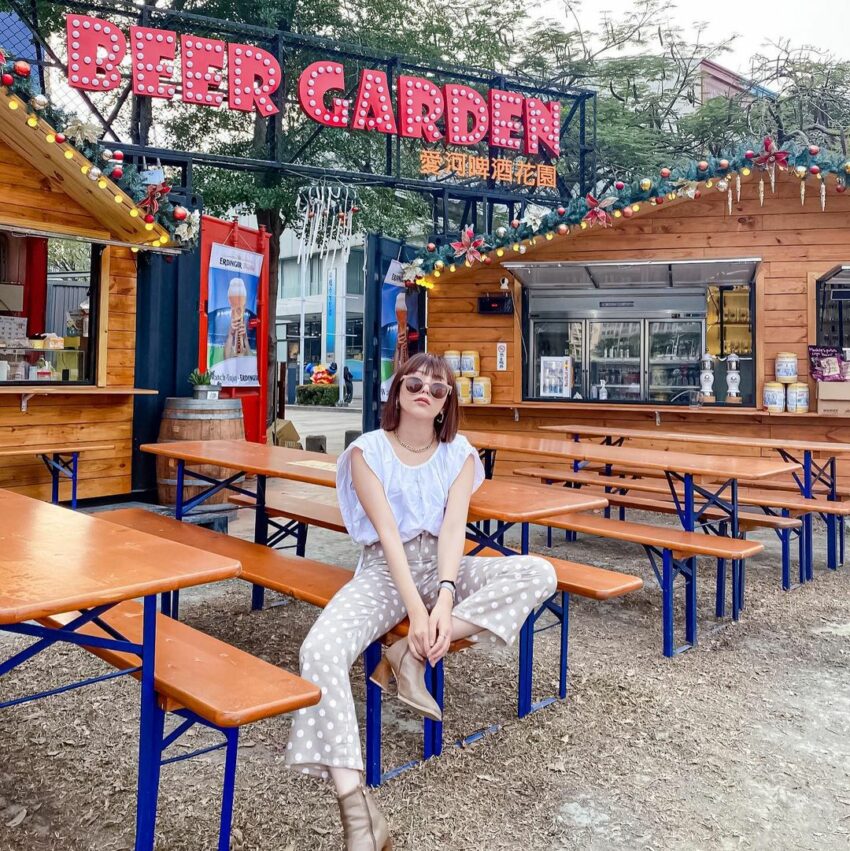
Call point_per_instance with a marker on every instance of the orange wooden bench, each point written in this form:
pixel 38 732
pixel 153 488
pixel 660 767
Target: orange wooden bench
pixel 202 680
pixel 316 583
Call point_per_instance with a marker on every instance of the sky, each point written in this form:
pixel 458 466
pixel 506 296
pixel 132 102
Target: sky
pixel 761 23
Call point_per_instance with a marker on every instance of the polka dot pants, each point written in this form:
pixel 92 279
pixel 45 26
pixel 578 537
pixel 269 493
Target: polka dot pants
pixel 495 594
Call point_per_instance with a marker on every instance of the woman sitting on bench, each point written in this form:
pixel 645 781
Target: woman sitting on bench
pixel 404 493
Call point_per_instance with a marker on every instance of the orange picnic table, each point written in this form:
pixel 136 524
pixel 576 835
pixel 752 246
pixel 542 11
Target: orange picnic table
pixel 54 561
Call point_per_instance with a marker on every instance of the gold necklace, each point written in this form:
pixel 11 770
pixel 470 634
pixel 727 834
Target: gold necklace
pixel 414 449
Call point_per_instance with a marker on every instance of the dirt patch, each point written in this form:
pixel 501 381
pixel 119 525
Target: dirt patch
pixel 743 742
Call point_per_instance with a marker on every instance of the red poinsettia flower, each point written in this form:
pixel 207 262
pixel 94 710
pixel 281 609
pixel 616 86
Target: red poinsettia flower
pixel 771 156
pixel 597 213
pixel 468 245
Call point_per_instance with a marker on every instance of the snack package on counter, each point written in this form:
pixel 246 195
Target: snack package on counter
pixel 825 363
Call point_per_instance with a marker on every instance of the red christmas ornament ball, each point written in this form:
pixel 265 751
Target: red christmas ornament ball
pixel 697 194
pixel 619 185
pixel 659 199
pixel 7 79
pixel 431 247
pixel 149 219
pixel 515 223
pixel 702 165
pixel 628 212
pixel 118 156
pixel 355 209
pixel 563 229
pixel 560 211
pixel 60 138
pixel 21 68
pixel 180 213
pixel 724 164
pixel 750 155
pixel 117 173
pixel 665 172
pixel 814 150
pixel 840 187
pixel 814 169
pixel 486 260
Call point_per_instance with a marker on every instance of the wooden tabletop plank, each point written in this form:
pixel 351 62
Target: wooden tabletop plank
pixel 55 560
pixel 624 457
pixel 819 446
pixel 61 449
pixel 298 465
pixel 512 502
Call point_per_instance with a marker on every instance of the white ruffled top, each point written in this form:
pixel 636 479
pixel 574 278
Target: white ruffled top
pixel 417 495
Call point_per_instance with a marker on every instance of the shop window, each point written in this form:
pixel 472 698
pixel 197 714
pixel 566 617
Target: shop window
pixel 354 346
pixel 312 337
pixel 48 310
pixel 354 273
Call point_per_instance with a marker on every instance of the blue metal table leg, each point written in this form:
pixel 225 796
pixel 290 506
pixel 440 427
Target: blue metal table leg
pixel 667 603
pixel 524 545
pixel 54 474
pixel 433 730
pixel 691 602
pixel 149 744
pixel 226 821
pixel 785 538
pixel 808 526
pixel 74 467
pixel 181 472
pixel 301 539
pixel 371 657
pixel 736 589
pixel 526 663
pixel 565 644
pixel 720 593
pixel 261 536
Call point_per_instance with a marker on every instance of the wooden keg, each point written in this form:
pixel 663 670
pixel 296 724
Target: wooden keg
pixel 196 419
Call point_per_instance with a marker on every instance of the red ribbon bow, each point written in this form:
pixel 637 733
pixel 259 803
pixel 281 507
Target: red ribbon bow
pixel 771 155
pixel 150 202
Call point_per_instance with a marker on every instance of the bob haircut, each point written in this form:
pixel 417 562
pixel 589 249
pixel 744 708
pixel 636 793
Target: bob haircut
pixel 434 366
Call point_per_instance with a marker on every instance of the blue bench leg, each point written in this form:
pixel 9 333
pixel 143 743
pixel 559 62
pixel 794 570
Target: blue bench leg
pixel 667 603
pixel 526 663
pixel 785 538
pixel 74 466
pixel 720 593
pixel 736 589
pixel 549 537
pixel 831 554
pixel 565 644
pixel 258 597
pixel 226 824
pixel 808 528
pixel 371 657
pixel 801 553
pixel 691 602
pixel 432 731
pixel 841 540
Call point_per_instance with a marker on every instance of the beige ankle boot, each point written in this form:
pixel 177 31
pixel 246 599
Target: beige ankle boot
pixel 410 679
pixel 363 823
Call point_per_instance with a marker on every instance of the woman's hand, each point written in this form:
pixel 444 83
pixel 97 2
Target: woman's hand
pixel 440 627
pixel 418 635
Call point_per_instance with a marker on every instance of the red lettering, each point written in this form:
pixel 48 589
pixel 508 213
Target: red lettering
pixel 542 126
pixel 466 118
pixel 505 109
pixel 254 76
pixel 420 106
pixel 373 105
pixel 315 82
pixel 203 60
pixel 153 58
pixel 95 50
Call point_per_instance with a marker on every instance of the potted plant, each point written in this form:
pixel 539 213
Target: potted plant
pixel 202 386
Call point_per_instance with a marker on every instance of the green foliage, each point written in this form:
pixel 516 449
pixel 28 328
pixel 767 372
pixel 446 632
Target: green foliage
pixel 317 394
pixel 199 377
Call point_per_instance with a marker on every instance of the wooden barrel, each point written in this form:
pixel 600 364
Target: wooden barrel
pixel 196 419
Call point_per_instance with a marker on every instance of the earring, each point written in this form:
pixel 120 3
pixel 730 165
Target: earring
pixel 439 418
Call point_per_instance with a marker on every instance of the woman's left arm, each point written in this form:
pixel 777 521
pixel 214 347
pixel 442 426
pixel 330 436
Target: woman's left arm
pixel 449 554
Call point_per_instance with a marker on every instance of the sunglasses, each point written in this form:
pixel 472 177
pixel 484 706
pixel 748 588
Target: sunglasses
pixel 437 389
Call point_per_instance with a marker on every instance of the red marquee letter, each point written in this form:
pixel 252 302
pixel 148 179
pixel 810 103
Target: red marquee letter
pixel 153 58
pixel 95 50
pixel 542 126
pixel 373 105
pixel 203 59
pixel 254 75
pixel 315 82
pixel 420 106
pixel 505 109
pixel 467 120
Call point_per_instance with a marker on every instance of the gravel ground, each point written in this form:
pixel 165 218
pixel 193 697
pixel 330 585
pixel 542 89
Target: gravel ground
pixel 743 742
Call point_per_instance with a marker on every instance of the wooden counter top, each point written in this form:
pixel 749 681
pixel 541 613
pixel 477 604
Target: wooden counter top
pixel 73 390
pixel 710 410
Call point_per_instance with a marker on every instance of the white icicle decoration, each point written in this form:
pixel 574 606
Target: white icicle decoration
pixel 729 200
pixel 772 172
pixel 803 191
pixel 822 195
pixel 738 188
pixel 761 192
